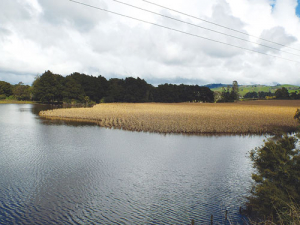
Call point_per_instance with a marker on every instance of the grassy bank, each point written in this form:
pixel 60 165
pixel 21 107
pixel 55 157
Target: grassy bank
pixel 254 117
pixel 5 101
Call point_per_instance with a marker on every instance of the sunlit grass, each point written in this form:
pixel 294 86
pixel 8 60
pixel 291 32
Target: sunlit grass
pixel 243 117
pixel 5 101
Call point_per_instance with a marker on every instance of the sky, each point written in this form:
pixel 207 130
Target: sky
pixel 66 37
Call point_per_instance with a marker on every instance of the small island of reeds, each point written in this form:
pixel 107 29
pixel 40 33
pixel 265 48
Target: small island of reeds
pixel 249 117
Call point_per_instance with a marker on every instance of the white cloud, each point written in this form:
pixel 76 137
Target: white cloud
pixel 37 35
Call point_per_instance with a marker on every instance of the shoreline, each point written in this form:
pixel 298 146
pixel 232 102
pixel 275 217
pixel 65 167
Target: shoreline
pixel 186 118
pixel 96 123
pixel 16 102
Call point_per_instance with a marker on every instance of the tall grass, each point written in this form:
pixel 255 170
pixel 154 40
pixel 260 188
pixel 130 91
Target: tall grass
pixel 255 117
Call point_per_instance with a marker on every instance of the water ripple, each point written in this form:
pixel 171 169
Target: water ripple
pixel 60 174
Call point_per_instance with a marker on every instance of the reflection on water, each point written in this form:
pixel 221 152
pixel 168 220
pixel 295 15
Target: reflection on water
pixel 35 109
pixel 85 174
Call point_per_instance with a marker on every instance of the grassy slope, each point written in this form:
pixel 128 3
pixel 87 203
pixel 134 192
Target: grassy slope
pixel 249 88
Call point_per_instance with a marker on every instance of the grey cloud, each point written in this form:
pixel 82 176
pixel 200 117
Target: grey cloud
pixel 69 13
pixel 4 33
pixel 14 77
pixel 221 14
pixel 158 81
pixel 278 35
pixel 13 10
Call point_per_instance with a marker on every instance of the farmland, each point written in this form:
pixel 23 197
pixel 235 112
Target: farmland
pixel 253 117
pixel 243 89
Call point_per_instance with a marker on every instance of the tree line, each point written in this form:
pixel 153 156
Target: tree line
pixel 82 88
pixel 18 91
pixel 228 94
pixel 281 93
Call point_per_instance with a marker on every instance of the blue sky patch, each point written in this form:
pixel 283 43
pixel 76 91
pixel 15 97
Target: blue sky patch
pixel 273 4
pixel 298 8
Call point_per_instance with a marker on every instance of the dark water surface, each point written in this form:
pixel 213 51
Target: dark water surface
pixel 70 173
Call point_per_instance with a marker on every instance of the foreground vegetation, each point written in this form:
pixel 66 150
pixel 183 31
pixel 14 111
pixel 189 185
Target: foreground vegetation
pixel 276 192
pixel 255 117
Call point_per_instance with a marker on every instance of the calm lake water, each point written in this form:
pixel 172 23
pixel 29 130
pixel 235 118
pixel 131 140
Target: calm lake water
pixel 72 173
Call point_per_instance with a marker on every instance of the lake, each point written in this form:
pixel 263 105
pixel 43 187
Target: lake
pixel 54 172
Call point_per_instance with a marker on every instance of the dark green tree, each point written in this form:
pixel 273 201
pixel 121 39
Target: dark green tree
pixel 136 90
pixel 48 87
pixel 72 90
pixel 5 89
pixel 295 95
pixel 252 94
pixel 282 93
pixel 234 94
pixel 21 91
pixel 297 115
pixel 203 94
pixel 167 93
pixel 115 91
pixel 93 87
pixel 263 94
pixel 225 96
pixel 277 177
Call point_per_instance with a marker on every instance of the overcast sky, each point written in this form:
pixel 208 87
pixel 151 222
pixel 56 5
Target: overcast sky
pixel 65 37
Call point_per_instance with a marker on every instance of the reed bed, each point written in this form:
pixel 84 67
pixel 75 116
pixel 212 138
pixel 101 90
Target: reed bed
pixel 252 117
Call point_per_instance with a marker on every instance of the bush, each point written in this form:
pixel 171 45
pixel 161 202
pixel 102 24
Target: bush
pixel 277 178
pixel 297 115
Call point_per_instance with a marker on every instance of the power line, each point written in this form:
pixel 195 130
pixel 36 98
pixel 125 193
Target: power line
pixel 216 24
pixel 179 31
pixel 195 25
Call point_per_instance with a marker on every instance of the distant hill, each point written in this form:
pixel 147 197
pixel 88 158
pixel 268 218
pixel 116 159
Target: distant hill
pixel 243 89
pixel 212 86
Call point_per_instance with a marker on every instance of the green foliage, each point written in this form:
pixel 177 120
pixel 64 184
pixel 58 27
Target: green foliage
pixel 277 177
pixel 244 89
pixel 252 94
pixel 2 96
pixel 263 95
pixel 22 92
pixel 74 88
pixel 5 88
pixel 234 94
pixel 94 87
pixel 182 93
pixel 282 93
pixel 295 95
pixel 259 95
pixel 229 94
pixel 48 87
pixel 297 115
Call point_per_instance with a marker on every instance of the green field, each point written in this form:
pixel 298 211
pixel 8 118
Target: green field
pixel 243 89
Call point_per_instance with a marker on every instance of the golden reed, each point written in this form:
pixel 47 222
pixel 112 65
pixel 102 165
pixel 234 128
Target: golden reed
pixel 249 117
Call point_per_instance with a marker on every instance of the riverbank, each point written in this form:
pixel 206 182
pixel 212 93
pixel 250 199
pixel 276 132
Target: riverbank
pixel 256 117
pixel 5 101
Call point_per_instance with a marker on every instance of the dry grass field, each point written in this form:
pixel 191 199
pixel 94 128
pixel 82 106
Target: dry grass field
pixel 251 117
